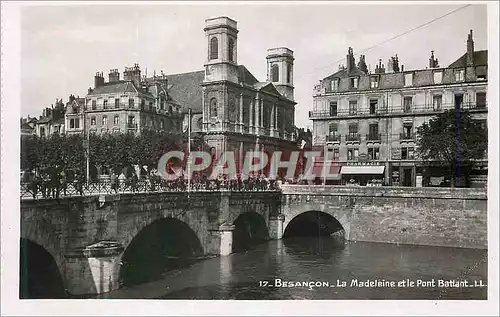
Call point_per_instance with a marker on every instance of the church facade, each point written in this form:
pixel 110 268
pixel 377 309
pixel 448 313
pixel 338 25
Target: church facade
pixel 239 112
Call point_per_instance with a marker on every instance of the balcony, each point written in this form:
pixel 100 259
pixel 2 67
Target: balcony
pixel 352 137
pixel 333 138
pixel 407 137
pixel 374 137
pixel 394 110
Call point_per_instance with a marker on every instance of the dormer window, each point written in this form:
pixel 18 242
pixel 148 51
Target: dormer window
pixel 408 79
pixel 374 82
pixel 334 84
pixel 438 77
pixel 354 82
pixel 460 75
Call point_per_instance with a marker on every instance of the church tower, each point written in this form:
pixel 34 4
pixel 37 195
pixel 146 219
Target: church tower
pixel 280 70
pixel 221 34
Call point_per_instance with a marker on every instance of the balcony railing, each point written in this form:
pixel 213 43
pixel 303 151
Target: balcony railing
pixel 374 137
pixel 352 137
pixel 407 137
pixel 333 138
pixel 394 110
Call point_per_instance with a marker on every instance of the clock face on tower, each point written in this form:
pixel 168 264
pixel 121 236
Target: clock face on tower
pixel 232 110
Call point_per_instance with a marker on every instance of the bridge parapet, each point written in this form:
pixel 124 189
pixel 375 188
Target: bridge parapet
pixel 386 191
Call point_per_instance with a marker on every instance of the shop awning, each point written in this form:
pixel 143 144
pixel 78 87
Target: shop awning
pixel 362 170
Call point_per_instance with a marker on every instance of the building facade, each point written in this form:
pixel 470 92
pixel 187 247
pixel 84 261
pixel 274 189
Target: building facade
pixel 362 118
pixel 130 105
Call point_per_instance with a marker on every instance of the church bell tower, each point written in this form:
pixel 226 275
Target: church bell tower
pixel 280 70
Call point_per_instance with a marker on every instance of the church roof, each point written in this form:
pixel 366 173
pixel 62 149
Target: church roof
pixel 185 89
pixel 245 76
pixel 480 59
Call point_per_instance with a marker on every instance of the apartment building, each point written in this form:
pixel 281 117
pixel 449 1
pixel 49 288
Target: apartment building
pixel 366 122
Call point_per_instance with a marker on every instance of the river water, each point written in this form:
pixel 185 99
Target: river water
pixel 324 268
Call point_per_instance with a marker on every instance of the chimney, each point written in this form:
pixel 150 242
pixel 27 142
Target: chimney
pixel 396 64
pixel 98 79
pixel 114 75
pixel 71 98
pixel 379 69
pixel 433 62
pixel 390 65
pixel 362 64
pixel 351 62
pixel 133 74
pixel 402 68
pixel 470 50
pixel 90 90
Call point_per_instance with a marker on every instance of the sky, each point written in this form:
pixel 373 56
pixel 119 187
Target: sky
pixel 63 46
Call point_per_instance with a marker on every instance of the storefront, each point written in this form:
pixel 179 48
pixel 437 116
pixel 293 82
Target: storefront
pixel 362 175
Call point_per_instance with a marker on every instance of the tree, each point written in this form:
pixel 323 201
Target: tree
pixel 455 139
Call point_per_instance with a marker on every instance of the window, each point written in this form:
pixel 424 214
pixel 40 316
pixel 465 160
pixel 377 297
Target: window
pixel 407 102
pixel 460 75
pixel 289 73
pixel 332 130
pixel 92 120
pixel 374 153
pixel 131 121
pixel 94 105
pixel 373 132
pixel 104 120
pixel 374 82
pixel 162 105
pixel 143 103
pixel 71 123
pixel 437 101
pixel 353 107
pixel 117 103
pixel 230 50
pixel 353 132
pixel 334 84
pixel 459 100
pixel 354 82
pixel 105 104
pixel 373 106
pixel 333 108
pixel 214 48
pixel 169 109
pixel 480 99
pixel 336 154
pixel 213 108
pixel 352 154
pixel 408 79
pixel 116 120
pixel 199 124
pixel 438 77
pixel 275 76
pixel 131 103
pixel 77 123
pixel 407 153
pixel 407 131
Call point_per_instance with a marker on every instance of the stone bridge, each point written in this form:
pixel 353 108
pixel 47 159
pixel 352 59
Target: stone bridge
pixel 89 238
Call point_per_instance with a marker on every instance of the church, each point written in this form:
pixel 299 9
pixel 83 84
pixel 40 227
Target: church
pixel 233 110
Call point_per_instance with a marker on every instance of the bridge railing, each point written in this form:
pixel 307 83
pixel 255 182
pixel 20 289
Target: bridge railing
pixel 44 190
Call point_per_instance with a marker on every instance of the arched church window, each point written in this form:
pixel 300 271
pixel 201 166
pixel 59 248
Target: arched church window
pixel 214 48
pixel 288 73
pixel 213 108
pixel 230 50
pixel 275 76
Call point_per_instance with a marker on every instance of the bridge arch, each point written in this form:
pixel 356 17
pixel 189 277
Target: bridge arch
pixel 250 228
pixel 40 272
pixel 339 214
pixel 163 244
